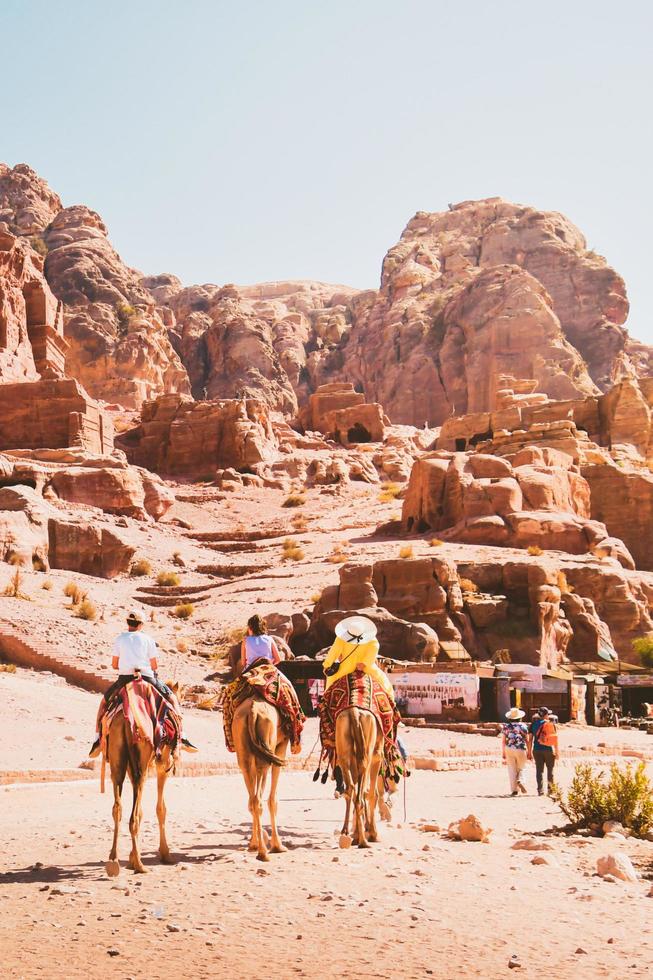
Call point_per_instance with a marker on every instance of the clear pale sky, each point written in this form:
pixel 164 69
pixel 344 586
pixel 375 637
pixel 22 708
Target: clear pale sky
pixel 247 141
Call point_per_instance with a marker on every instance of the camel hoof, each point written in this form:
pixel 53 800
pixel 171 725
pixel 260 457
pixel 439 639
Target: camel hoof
pixel 262 857
pixel 167 859
pixel 112 868
pixel 252 847
pixel 373 838
pixel 279 849
pixel 344 841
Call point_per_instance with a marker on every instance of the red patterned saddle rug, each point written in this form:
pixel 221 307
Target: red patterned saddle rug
pixel 265 681
pixel 148 714
pixel 359 690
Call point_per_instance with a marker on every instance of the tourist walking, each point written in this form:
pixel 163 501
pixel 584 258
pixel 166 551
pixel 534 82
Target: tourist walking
pixel 543 747
pixel 514 748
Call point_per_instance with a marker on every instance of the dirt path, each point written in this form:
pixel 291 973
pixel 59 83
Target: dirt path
pixel 412 906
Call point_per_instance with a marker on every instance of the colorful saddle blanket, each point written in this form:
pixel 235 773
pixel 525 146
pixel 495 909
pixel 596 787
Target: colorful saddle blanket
pixel 149 715
pixel 263 680
pixel 359 690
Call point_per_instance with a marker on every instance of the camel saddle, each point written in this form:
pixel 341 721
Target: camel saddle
pixel 359 690
pixel 149 716
pixel 262 679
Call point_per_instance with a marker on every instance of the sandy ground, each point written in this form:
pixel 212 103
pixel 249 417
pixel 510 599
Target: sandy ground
pixel 413 905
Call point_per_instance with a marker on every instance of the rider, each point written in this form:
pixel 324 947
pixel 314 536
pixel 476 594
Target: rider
pixel 355 648
pixel 257 645
pixel 134 650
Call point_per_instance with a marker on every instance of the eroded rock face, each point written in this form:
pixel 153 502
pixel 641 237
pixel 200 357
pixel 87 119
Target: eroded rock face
pixel 434 339
pixel 52 414
pixel 27 204
pixel 120 348
pixel 31 321
pixel 257 341
pixel 79 546
pixel 180 437
pixel 484 499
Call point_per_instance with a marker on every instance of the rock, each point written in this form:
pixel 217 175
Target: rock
pixel 469 829
pixel 179 437
pixel 429 828
pixel 514 963
pixel 540 859
pixel 580 951
pixel 82 547
pixel 531 844
pixel 171 927
pixel 617 865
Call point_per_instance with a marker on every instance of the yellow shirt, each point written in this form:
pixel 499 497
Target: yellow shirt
pixel 365 654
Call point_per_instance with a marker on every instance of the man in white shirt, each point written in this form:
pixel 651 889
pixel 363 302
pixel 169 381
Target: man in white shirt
pixel 134 651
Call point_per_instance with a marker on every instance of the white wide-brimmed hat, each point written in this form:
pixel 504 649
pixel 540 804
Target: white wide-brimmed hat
pixel 515 714
pixel 356 629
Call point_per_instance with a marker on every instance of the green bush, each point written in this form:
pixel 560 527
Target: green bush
pixel 625 795
pixel 643 647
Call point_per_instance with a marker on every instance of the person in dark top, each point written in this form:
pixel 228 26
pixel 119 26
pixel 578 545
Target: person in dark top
pixel 543 747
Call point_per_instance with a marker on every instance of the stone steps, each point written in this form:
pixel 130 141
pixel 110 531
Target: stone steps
pixel 234 536
pixel 163 601
pixel 177 590
pixel 229 571
pixel 36 655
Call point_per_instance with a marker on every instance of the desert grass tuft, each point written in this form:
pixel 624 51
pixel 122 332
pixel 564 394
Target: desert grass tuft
pixel 140 567
pixel 168 578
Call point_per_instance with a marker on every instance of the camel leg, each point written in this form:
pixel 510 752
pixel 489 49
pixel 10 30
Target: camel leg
pixel 261 780
pixel 118 780
pixel 161 778
pixel 248 769
pixel 372 833
pixel 135 862
pixel 275 843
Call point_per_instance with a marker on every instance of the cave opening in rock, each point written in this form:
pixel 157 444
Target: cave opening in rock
pixel 358 433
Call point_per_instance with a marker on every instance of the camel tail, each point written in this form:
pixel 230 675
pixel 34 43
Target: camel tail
pixel 359 742
pixel 258 746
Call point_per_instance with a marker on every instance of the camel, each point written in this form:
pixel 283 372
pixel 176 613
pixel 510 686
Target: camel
pixel 260 746
pixel 359 748
pixel 126 756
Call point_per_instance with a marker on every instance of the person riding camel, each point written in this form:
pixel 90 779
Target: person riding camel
pixel 355 648
pixel 135 653
pixel 353 655
pixel 259 656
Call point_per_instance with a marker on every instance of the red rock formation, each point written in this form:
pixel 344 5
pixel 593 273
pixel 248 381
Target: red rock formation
pixel 50 415
pixel 119 344
pixel 31 321
pixel 339 411
pixel 79 546
pixel 180 437
pixel 27 204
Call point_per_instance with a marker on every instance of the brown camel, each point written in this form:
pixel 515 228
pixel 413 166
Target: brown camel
pixel 359 747
pixel 260 746
pixel 127 756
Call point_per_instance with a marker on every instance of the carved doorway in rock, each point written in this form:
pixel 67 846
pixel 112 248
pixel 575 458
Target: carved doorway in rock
pixel 358 433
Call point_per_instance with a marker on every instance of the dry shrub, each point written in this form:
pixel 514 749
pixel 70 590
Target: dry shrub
pixel 294 500
pixel 87 610
pixel 406 551
pixel 338 555
pixel 534 549
pixel 184 610
pixel 395 516
pixel 38 565
pixel 291 551
pixel 14 588
pixel 181 645
pixel 73 591
pixel 625 795
pixel 389 492
pixel 168 578
pixel 47 585
pixel 140 567
pixel 435 543
pixel 14 558
pixel 8 668
pixel 299 522
pixel 315 598
pixel 467 585
pixel 177 559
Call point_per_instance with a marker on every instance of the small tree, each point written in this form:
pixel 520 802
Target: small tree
pixel 643 647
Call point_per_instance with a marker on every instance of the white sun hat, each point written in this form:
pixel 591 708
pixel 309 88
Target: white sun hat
pixel 515 714
pixel 356 629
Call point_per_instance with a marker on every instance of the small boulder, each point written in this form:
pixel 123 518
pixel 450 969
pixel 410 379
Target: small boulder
pixel 618 865
pixel 469 828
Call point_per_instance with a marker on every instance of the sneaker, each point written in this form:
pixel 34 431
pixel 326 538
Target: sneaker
pixel 95 749
pixel 514 793
pixel 540 792
pixel 188 746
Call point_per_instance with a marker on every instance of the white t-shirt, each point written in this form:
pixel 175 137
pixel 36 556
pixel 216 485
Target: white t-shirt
pixel 134 650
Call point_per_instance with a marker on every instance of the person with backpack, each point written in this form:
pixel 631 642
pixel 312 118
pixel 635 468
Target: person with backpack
pixel 543 747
